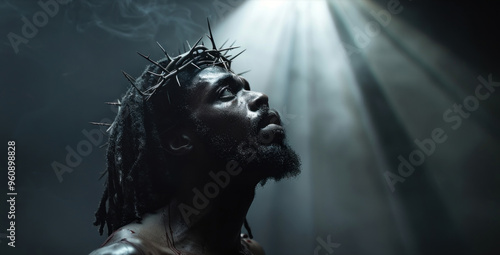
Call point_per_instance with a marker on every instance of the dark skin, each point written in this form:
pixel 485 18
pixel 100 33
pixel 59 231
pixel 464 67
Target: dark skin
pixel 223 102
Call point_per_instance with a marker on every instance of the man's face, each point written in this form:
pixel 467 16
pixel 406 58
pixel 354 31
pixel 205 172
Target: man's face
pixel 235 123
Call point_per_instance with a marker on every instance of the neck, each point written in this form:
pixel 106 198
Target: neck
pixel 208 217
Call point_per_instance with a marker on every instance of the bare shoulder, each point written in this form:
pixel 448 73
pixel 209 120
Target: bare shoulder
pixel 118 248
pixel 121 242
pixel 253 246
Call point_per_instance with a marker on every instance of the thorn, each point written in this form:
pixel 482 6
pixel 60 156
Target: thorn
pixel 168 97
pixel 211 51
pixel 172 63
pixel 132 81
pixel 103 145
pixel 105 171
pixel 203 62
pixel 231 59
pixel 129 77
pixel 230 48
pixel 165 52
pixel 170 75
pixel 155 74
pixel 195 65
pixel 178 82
pixel 152 90
pixel 244 72
pixel 211 36
pixel 194 47
pixel 182 59
pixel 113 103
pixel 100 124
pixel 224 58
pixel 160 81
pixel 210 55
pixel 224 63
pixel 184 66
pixel 188 45
pixel 224 43
pixel 154 62
pixel 198 41
pixel 232 43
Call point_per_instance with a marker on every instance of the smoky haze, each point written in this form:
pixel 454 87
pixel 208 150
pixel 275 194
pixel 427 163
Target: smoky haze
pixel 350 115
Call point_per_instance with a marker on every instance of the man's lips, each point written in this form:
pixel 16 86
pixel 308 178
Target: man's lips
pixel 270 128
pixel 272 117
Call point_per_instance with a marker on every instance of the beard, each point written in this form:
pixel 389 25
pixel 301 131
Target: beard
pixel 273 161
pixel 263 156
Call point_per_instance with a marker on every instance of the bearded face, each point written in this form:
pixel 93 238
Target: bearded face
pixel 235 123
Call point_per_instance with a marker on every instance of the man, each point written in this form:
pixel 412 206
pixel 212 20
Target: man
pixel 189 145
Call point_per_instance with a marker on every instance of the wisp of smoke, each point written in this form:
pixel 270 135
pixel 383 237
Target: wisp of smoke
pixel 136 20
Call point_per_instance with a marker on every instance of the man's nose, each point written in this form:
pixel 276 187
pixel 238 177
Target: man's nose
pixel 257 100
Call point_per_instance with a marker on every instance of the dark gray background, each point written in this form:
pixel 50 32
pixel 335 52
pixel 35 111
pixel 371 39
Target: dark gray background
pixel 58 81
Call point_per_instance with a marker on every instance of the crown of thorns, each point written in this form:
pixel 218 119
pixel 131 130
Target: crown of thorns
pixel 195 56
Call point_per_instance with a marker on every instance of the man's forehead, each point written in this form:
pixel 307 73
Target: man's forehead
pixel 214 75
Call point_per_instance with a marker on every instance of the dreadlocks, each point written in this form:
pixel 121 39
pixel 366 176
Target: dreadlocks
pixel 140 175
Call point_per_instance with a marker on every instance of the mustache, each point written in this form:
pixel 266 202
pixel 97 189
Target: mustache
pixel 266 115
pixel 261 117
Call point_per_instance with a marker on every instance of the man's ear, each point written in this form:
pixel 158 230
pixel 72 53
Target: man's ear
pixel 179 142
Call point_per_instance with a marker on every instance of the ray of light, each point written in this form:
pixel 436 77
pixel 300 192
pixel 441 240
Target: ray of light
pixel 349 116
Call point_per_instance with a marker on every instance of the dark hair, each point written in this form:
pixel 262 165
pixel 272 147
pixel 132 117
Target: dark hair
pixel 140 175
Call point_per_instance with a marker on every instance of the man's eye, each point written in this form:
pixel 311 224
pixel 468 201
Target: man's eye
pixel 226 94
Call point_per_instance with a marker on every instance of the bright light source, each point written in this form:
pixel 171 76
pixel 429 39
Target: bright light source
pixel 297 57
